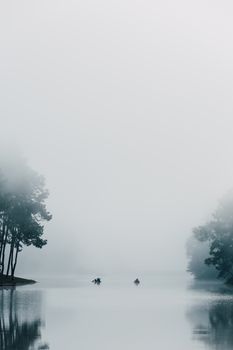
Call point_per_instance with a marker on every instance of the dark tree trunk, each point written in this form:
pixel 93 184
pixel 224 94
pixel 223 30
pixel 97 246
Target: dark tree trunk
pixel 2 246
pixel 10 259
pixel 2 238
pixel 3 251
pixel 13 265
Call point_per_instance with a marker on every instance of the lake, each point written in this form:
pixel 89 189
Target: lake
pixel 163 312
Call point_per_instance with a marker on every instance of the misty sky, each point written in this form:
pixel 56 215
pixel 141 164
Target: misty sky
pixel 126 108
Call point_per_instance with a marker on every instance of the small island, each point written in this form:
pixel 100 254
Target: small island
pixel 16 281
pixel 22 215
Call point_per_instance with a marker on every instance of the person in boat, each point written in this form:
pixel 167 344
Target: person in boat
pixel 137 281
pixel 96 281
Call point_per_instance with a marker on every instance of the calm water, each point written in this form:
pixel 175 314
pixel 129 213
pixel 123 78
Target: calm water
pixel 162 313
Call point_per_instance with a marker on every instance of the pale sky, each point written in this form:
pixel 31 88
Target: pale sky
pixel 126 108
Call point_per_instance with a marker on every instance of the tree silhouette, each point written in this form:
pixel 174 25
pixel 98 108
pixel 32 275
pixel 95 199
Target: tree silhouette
pixel 22 214
pixel 197 252
pixel 218 232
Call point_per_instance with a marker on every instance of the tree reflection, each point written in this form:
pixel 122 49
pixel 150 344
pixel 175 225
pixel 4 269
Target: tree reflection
pixel 20 321
pixel 213 324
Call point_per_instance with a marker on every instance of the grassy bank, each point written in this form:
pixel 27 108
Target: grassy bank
pixel 16 281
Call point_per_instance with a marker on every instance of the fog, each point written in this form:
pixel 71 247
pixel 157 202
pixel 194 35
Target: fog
pixel 126 108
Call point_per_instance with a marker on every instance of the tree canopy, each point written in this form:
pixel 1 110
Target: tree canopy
pixel 197 252
pixel 218 233
pixel 22 214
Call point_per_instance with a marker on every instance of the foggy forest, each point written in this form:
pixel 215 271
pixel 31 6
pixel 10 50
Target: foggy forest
pixel 116 180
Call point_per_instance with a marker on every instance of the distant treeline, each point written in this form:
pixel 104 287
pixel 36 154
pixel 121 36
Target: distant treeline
pixel 210 248
pixel 22 213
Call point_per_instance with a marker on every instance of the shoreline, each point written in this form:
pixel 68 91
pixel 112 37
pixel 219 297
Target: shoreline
pixel 17 281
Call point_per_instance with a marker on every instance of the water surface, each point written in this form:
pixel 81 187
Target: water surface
pixel 163 312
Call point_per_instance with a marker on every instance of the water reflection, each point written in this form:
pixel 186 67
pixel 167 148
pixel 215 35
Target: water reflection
pixel 212 322
pixel 20 320
pixel 211 287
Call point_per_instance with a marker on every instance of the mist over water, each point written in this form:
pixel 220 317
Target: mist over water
pixel 125 107
pixel 163 312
